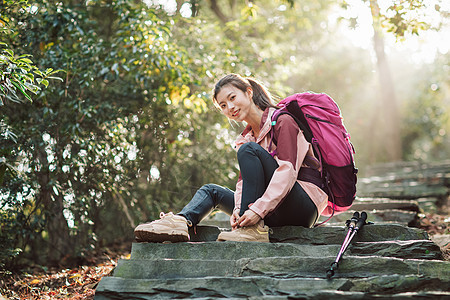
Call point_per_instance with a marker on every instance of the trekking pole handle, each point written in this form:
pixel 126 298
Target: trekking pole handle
pixel 354 219
pixel 352 222
pixel 361 220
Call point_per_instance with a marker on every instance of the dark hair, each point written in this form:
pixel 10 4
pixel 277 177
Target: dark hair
pixel 261 97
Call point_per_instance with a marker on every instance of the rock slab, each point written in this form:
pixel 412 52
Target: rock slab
pixel 387 261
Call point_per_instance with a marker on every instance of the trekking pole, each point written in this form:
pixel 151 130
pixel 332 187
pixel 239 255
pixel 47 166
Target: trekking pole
pixel 361 222
pixel 354 225
pixel 351 225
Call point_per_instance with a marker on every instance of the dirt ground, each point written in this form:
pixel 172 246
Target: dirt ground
pixel 76 283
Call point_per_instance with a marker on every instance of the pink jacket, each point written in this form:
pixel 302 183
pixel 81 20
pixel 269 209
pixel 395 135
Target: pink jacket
pixel 290 157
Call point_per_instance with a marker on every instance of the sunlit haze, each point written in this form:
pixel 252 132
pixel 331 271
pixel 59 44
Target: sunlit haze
pixel 422 48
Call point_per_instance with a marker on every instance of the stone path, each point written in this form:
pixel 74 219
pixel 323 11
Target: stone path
pixel 383 261
pixel 386 260
pixel 412 180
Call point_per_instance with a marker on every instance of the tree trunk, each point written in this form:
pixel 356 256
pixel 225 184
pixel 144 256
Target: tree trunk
pixel 387 118
pixel 217 11
pixel 179 4
pixel 59 242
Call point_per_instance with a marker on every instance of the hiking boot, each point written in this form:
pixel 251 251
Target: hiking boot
pixel 169 228
pixel 255 233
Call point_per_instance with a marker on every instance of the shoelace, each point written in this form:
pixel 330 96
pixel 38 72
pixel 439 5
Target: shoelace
pixel 162 215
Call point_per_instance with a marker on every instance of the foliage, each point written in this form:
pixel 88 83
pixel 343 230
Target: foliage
pixel 78 152
pixel 403 18
pixel 427 122
pixel 241 42
pixel 406 16
pixel 131 130
pixel 18 74
pixel 128 106
pixel 18 77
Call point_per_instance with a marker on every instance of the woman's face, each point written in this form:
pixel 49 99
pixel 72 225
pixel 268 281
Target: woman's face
pixel 234 103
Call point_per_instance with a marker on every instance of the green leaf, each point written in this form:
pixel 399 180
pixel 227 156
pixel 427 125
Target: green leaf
pixel 10 52
pixel 57 78
pixel 22 90
pixel 26 60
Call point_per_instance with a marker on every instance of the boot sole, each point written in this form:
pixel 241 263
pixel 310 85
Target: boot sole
pixel 155 237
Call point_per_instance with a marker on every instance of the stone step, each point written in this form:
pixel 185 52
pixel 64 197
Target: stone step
pixel 336 234
pixel 370 204
pixel 323 235
pixel 403 217
pixel 430 204
pixel 408 182
pixel 425 170
pixel 413 249
pixel 410 190
pixel 281 267
pixel 228 250
pixel 258 287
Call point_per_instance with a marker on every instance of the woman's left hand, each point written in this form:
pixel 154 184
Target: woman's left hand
pixel 249 218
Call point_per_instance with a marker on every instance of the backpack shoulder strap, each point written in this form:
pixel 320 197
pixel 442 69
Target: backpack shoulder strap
pixel 291 108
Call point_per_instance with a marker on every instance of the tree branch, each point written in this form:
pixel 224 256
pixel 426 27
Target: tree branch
pixel 217 11
pixel 116 195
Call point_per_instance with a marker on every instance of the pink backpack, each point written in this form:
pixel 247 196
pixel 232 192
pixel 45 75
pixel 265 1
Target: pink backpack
pixel 319 117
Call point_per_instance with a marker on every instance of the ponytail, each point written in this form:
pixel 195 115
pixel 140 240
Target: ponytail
pixel 261 97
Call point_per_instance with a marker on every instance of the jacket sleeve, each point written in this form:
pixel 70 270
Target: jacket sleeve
pixel 238 193
pixel 290 156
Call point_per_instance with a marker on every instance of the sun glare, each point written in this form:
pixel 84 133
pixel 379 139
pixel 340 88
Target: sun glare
pixel 423 48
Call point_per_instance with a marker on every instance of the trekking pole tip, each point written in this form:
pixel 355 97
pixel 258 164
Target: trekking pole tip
pixel 330 271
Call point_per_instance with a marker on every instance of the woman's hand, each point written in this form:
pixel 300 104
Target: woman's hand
pixel 249 218
pixel 234 219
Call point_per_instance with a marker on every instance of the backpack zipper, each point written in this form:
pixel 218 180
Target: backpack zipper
pixel 319 119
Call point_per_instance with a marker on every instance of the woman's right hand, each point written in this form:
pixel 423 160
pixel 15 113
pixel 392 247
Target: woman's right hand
pixel 234 219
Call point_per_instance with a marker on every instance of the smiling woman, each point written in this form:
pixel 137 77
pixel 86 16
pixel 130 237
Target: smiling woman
pixel 235 101
pixel 268 191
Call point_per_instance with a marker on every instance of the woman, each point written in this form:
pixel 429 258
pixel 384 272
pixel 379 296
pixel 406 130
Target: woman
pixel 268 191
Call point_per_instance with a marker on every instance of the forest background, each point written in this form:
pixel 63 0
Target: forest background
pixel 106 116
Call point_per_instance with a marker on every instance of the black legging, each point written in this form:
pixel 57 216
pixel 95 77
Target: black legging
pixel 257 167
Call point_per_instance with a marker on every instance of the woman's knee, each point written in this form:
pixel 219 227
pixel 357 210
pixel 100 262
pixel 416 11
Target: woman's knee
pixel 247 148
pixel 209 188
pixel 215 191
pixel 221 197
